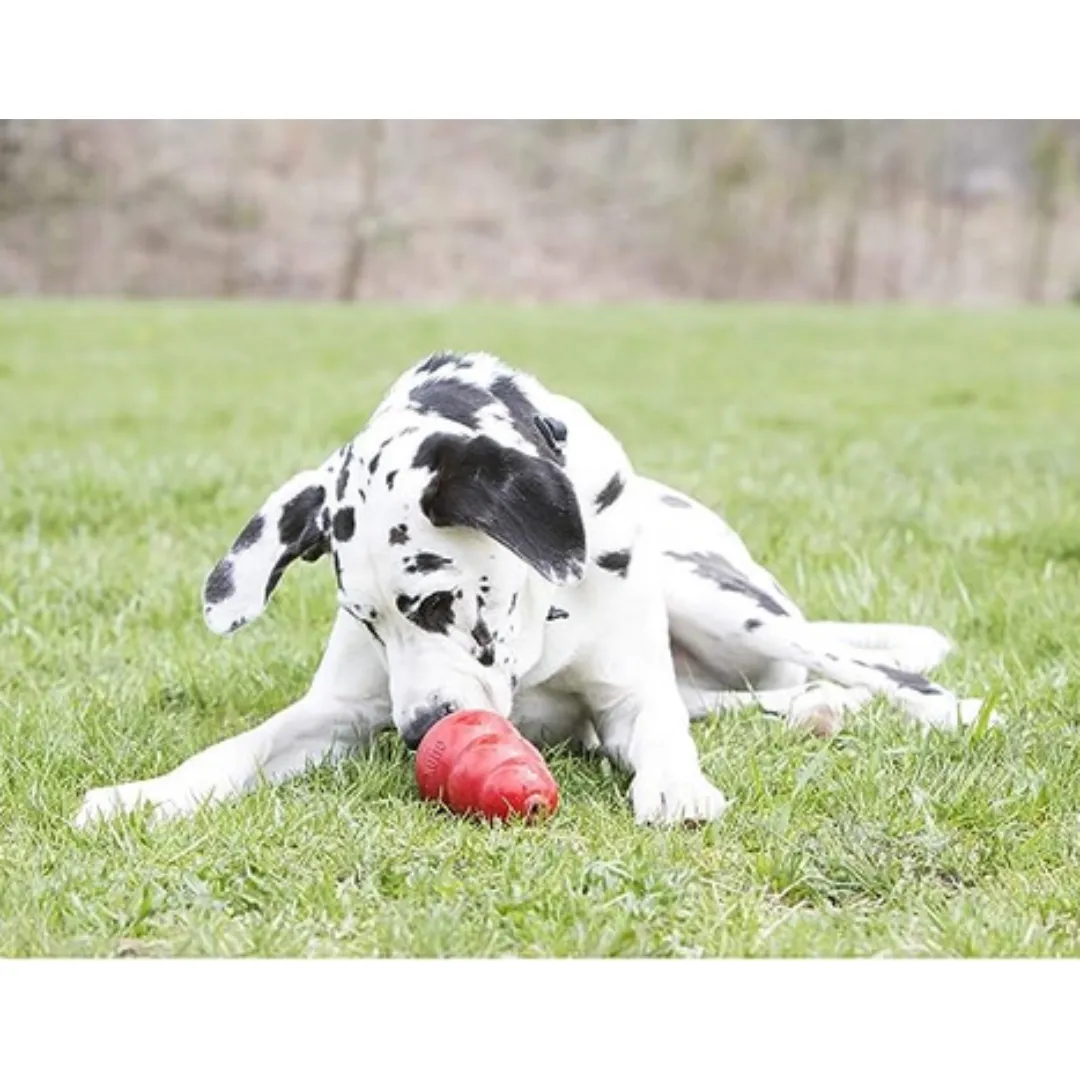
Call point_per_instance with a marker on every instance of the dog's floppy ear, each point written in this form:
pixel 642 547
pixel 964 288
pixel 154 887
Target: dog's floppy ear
pixel 292 524
pixel 527 504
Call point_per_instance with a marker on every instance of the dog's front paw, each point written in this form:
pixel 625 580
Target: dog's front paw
pixel 671 796
pixel 101 804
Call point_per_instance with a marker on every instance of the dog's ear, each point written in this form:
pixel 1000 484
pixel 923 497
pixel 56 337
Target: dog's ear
pixel 292 524
pixel 527 504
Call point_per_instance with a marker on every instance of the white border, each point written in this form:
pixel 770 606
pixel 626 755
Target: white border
pixel 917 59
pixel 505 1018
pixel 513 1020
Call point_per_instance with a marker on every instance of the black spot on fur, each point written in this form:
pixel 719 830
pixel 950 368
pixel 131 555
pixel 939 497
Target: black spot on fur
pixel 763 599
pixel 405 602
pixel 555 614
pixel 298 516
pixel 426 562
pixel 612 490
pixel 908 679
pixel 674 500
pixel 319 546
pixel 219 585
pixel 373 465
pixel 391 476
pixel 369 623
pixel 344 524
pixel 399 534
pixel 438 361
pixel 715 568
pixel 615 562
pixel 451 398
pixel 437 449
pixel 343 473
pixel 301 531
pixel 337 568
pixel 519 408
pixel 540 431
pixel 525 503
pixel 513 604
pixel 482 636
pixel 252 531
pixel 752 624
pixel 435 613
pixel 275 575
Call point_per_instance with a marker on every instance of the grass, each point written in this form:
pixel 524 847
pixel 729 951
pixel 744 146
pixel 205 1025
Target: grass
pixel 910 466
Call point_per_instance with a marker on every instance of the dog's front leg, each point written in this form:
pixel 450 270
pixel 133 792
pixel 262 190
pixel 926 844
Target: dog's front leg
pixel 628 679
pixel 649 734
pixel 346 704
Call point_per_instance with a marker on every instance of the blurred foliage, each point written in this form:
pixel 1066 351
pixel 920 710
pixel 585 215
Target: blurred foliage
pixel 929 211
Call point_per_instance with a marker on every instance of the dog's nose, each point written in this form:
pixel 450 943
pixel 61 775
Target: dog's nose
pixel 423 721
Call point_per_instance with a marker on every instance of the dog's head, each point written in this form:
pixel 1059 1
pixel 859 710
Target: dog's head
pixel 445 544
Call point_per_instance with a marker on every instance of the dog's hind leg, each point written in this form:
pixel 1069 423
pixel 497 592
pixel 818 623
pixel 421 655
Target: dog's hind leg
pixel 346 704
pixel 917 649
pixel 734 630
pixel 804 643
pixel 715 594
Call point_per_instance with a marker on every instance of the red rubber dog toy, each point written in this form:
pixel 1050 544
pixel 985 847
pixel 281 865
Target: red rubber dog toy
pixel 476 762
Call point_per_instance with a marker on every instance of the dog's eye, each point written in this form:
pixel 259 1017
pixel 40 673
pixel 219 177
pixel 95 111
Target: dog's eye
pixel 554 431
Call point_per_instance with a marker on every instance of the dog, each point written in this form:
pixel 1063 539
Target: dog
pixel 493 548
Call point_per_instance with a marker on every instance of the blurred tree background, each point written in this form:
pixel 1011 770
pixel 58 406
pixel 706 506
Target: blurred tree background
pixel 972 212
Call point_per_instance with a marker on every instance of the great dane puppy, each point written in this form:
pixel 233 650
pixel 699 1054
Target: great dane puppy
pixel 493 548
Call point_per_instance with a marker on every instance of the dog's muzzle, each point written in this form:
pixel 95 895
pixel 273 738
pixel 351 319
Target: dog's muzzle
pixel 423 720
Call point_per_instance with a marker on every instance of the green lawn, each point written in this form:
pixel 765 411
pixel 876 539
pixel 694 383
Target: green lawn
pixel 904 466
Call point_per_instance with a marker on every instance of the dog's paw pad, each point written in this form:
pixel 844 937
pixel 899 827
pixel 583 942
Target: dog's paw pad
pixel 822 707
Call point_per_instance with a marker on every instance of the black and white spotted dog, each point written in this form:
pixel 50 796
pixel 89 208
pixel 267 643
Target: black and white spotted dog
pixel 493 548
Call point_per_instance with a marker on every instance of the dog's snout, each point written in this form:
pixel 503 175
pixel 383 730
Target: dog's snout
pixel 423 721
